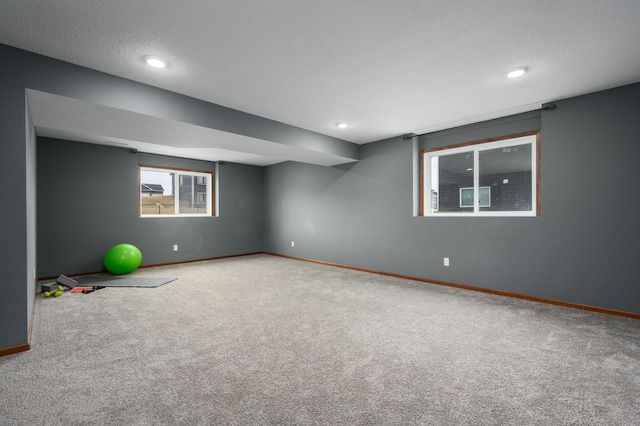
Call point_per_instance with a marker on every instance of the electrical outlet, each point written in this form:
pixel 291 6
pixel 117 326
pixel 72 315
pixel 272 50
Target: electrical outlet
pixel 293 244
pixel 446 261
pixel 175 247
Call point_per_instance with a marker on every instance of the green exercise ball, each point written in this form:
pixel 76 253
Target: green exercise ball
pixel 122 259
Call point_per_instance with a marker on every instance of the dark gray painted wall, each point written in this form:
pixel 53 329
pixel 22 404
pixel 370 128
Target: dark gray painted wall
pixel 14 255
pixel 88 202
pixel 591 146
pixel 583 249
pixel 22 70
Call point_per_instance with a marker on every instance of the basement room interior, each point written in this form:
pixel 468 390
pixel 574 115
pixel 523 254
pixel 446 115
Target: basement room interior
pixel 287 212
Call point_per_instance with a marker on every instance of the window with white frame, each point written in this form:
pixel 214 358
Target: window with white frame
pixel 491 177
pixel 165 192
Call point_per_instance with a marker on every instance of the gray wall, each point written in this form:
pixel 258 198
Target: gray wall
pixel 88 202
pixel 15 166
pixel 22 70
pixel 583 249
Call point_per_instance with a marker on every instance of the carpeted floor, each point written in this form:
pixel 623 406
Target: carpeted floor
pixel 263 340
pixel 133 280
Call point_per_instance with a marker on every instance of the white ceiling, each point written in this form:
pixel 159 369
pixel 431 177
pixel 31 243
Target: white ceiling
pixel 387 67
pixel 61 117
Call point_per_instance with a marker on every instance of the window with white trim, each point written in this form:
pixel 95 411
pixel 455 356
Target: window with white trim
pixel 165 192
pixel 492 177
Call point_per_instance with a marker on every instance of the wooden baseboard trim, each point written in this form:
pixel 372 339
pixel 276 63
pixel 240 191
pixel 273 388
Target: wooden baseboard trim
pixel 154 265
pixel 598 309
pixel 14 349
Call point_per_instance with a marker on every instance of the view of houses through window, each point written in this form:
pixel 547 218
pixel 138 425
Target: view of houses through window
pixel 172 192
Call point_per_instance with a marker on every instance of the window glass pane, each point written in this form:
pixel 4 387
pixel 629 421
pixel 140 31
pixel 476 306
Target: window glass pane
pixel 174 193
pixel 156 192
pixel 497 177
pixel 191 189
pixel 507 172
pixel 450 173
pixel 186 195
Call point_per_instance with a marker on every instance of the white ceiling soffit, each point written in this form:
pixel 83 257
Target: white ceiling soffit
pixel 387 67
pixel 61 117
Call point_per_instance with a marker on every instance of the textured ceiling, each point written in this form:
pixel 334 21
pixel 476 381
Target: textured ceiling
pixel 387 67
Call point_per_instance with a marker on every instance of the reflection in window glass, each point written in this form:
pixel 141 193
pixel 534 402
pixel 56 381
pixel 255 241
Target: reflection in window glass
pixel 507 171
pixel 449 174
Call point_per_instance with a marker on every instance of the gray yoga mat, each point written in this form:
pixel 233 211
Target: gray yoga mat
pixel 121 281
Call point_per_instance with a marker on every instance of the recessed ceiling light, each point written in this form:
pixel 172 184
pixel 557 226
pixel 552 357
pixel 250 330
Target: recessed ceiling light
pixel 342 125
pixel 155 61
pixel 516 72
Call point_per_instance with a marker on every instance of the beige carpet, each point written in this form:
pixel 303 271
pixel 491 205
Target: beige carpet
pixel 263 340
